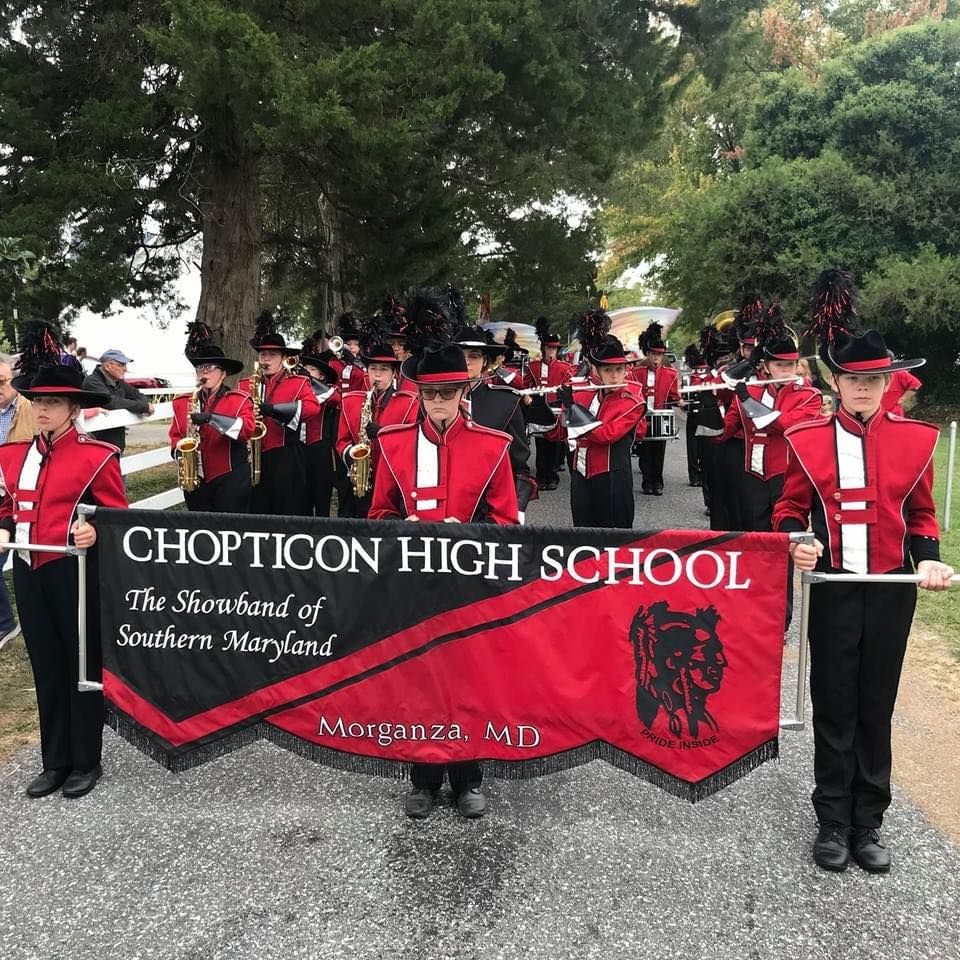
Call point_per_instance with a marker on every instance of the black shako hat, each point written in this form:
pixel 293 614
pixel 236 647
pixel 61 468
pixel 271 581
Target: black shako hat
pixel 651 340
pixel 211 353
pixel 379 353
pixel 445 365
pixel 863 353
pixel 309 354
pixel 608 351
pixel 545 335
pixel 266 337
pixel 479 339
pixel 57 380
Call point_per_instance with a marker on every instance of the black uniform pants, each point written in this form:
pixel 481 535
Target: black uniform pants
pixel 550 454
pixel 228 493
pixel 858 637
pixel 71 723
pixel 650 456
pixel 465 775
pixel 757 500
pixel 725 495
pixel 709 453
pixel 282 490
pixel 321 460
pixel 693 450
pixel 605 500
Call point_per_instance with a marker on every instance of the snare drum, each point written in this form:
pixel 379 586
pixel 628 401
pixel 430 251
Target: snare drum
pixel 662 425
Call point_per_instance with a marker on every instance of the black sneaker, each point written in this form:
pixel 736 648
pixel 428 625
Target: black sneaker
pixel 419 803
pixel 869 850
pixel 831 849
pixel 471 804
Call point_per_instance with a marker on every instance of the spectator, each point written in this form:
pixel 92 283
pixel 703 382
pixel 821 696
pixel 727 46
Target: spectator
pixel 89 364
pixel 16 423
pixel 108 378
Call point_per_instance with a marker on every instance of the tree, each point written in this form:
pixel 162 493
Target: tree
pixel 337 147
pixel 856 167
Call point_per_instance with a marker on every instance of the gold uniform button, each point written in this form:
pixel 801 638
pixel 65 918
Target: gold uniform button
pixel 836 496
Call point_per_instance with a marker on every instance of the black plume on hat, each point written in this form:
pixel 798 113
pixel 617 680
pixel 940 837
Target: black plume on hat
pixel 428 319
pixel 652 337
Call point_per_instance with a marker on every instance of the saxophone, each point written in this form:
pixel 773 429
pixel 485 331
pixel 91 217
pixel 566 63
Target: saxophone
pixel 360 454
pixel 188 450
pixel 255 443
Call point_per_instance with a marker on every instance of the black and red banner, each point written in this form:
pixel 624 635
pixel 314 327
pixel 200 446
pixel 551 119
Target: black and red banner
pixel 369 645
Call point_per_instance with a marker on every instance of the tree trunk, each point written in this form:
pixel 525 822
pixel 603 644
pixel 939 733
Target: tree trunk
pixel 232 226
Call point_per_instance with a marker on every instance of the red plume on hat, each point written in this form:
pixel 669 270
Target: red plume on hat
pixel 833 306
pixel 592 326
pixel 40 344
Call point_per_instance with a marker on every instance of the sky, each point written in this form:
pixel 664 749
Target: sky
pixel 155 352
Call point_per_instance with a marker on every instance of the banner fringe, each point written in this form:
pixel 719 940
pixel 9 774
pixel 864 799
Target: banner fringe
pixel 400 769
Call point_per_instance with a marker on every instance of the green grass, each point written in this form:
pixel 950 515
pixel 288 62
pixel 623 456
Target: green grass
pixel 940 612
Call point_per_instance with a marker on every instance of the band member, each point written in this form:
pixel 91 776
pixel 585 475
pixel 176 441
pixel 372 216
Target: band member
pixel 548 371
pixel 762 414
pixel 43 480
pixel 496 405
pixel 903 389
pixel 863 478
pixel 285 400
pixel 445 468
pixel 601 438
pixel 708 418
pixel 364 414
pixel 395 317
pixel 216 422
pixel 699 372
pixel 661 390
pixel 513 371
pixel 726 511
pixel 321 432
pixel 348 364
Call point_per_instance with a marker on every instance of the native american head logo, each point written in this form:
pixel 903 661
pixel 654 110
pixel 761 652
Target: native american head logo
pixel 680 662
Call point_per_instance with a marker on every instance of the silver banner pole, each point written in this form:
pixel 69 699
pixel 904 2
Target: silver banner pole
pixel 870 577
pixel 83 684
pixel 798 720
pixel 948 495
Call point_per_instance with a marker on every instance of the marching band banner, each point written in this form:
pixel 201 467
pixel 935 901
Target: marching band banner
pixel 370 645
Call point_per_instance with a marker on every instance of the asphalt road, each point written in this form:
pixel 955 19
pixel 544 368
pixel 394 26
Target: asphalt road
pixel 264 855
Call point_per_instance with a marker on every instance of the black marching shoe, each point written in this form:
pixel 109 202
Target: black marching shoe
pixel 47 782
pixel 869 850
pixel 419 803
pixel 81 782
pixel 658 491
pixel 831 849
pixel 471 804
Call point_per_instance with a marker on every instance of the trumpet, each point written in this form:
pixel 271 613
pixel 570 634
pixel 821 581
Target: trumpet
pixel 335 344
pixel 291 363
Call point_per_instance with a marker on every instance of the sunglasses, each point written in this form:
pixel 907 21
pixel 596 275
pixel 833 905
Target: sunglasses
pixel 444 393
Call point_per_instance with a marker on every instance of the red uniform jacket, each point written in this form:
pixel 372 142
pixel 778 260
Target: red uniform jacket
pixel 463 473
pixel 323 427
pixel 765 451
pixel 900 382
pixel 866 487
pixel 543 374
pixel 661 386
pixel 42 485
pixel 285 387
pixel 352 376
pixel 387 409
pixel 622 421
pixel 222 445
